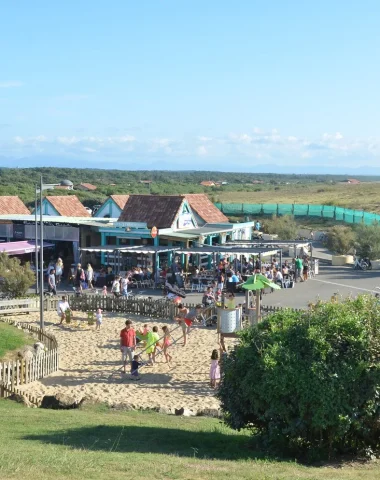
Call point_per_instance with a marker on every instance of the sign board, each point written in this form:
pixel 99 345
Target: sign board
pixel 185 220
pixel 154 232
pixel 131 225
pixel 19 231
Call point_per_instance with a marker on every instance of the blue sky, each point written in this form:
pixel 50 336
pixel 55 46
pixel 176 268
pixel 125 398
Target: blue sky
pixel 190 84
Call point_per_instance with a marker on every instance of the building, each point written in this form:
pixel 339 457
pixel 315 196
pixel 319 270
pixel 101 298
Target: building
pixel 179 220
pixel 112 207
pixel 65 185
pixel 352 181
pixel 207 183
pixel 65 206
pixel 87 187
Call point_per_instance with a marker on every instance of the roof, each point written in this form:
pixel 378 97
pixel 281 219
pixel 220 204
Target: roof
pixel 120 200
pixel 352 180
pixel 89 186
pixel 12 204
pixel 62 220
pixel 155 210
pixel 207 183
pixel 202 205
pixel 67 183
pixel 68 206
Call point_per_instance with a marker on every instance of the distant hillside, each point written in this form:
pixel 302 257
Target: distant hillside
pixel 21 181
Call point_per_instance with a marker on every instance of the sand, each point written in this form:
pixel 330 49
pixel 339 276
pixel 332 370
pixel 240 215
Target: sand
pixel 90 365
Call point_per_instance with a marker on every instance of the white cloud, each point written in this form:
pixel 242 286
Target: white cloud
pixel 205 139
pixel 19 140
pixel 334 136
pixel 13 84
pixel 88 150
pixel 202 150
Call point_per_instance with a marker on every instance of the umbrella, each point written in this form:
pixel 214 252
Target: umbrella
pixel 258 282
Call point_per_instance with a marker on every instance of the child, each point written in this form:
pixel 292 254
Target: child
pixel 142 335
pixel 166 343
pixel 135 364
pixel 153 338
pixel 99 318
pixel 104 291
pixel 214 369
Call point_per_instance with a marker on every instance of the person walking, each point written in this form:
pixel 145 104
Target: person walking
pixel 51 282
pixel 90 276
pixel 299 268
pixel 115 289
pixel 127 343
pixel 58 271
pixel 153 338
pixel 79 277
pixel 214 369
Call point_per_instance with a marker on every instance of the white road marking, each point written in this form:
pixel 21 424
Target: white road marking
pixel 341 285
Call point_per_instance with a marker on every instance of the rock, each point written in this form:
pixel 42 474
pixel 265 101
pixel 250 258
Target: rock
pixel 61 401
pixel 21 399
pixel 210 412
pixel 27 353
pixel 184 412
pixel 165 410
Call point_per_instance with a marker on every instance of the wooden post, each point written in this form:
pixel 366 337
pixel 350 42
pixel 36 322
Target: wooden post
pixel 258 306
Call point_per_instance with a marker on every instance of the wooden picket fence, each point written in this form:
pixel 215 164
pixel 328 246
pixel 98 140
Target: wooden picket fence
pixel 145 306
pixel 20 372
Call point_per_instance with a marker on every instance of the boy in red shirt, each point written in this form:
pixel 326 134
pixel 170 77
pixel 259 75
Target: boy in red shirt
pixel 127 343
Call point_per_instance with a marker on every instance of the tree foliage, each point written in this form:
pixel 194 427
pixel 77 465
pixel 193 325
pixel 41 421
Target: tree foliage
pixel 368 241
pixel 341 239
pixel 309 382
pixel 15 279
pixel 285 227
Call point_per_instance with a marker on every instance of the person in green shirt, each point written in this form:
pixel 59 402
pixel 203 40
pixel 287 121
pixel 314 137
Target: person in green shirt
pixel 153 338
pixel 299 268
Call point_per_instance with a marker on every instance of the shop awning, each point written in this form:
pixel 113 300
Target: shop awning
pixel 146 249
pixel 227 250
pixel 22 247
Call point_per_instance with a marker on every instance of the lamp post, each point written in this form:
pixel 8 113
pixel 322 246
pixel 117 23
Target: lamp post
pixel 36 238
pixel 39 190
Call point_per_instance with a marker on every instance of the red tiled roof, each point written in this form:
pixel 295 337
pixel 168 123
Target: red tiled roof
pixel 88 186
pixel 12 204
pixel 68 206
pixel 155 210
pixel 202 205
pixel 120 200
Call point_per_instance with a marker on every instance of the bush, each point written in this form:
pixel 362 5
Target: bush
pixel 285 227
pixel 368 241
pixel 308 382
pixel 16 279
pixel 340 240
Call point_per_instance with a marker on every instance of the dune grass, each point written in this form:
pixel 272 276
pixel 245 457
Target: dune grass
pixel 97 443
pixel 364 196
pixel 11 338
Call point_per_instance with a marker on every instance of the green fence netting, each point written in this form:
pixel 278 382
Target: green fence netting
pixel 326 211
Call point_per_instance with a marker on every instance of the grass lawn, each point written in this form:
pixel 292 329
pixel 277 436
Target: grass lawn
pixel 11 338
pixel 365 196
pixel 97 443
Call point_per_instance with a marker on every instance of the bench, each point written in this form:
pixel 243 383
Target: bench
pixel 10 307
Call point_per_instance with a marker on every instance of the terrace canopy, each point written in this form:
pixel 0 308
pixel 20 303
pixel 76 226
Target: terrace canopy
pixel 118 250
pixel 21 248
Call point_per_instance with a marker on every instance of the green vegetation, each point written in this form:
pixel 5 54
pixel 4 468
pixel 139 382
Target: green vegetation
pixel 16 279
pixel 368 241
pixel 341 239
pixel 285 227
pixel 321 189
pixel 308 382
pixel 11 338
pixel 100 444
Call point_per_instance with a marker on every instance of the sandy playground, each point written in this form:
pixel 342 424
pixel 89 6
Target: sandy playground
pixel 90 365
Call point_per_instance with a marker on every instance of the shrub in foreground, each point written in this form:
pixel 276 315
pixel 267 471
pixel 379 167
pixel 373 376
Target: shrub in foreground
pixel 16 279
pixel 309 382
